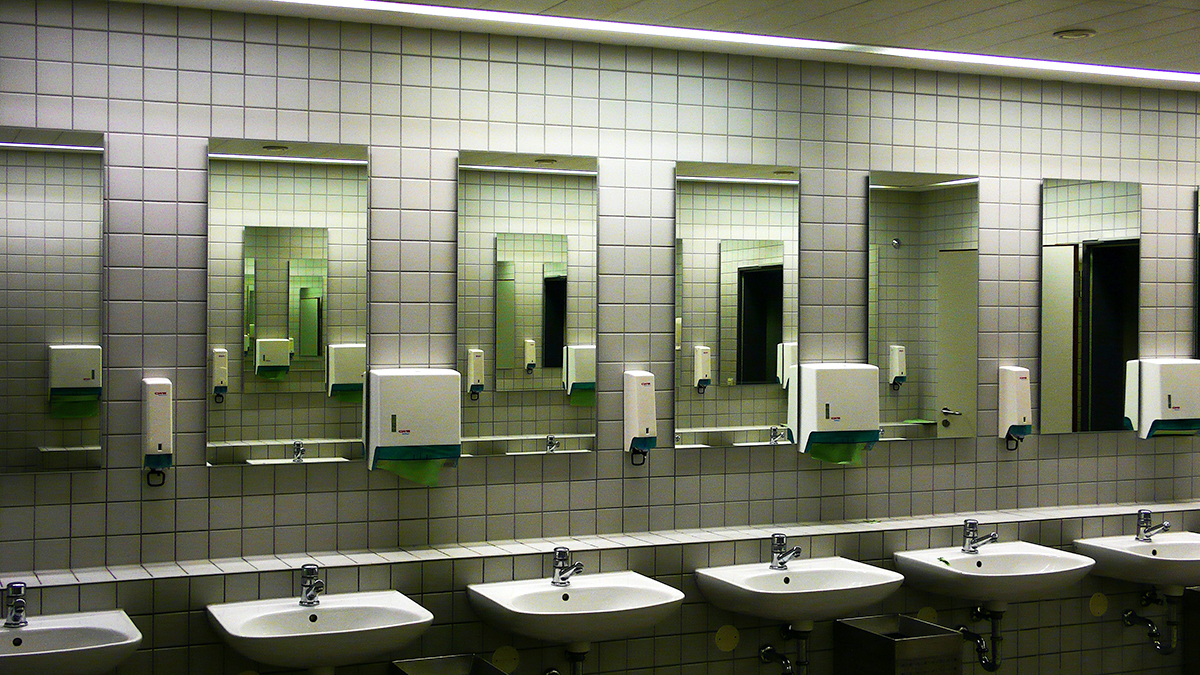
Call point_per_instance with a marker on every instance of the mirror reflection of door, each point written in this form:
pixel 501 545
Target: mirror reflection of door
pixel 760 323
pixel 1108 310
pixel 923 302
pixel 1090 286
pixel 554 313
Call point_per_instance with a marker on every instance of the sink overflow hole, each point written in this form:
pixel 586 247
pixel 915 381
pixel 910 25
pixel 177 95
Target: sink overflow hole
pixel 566 596
pixel 17 642
pixel 1153 551
pixel 979 563
pixel 312 618
pixel 787 580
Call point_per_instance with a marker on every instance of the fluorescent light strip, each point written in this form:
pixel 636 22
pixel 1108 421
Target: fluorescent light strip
pixel 286 160
pixel 525 169
pixel 49 147
pixel 722 37
pixel 724 179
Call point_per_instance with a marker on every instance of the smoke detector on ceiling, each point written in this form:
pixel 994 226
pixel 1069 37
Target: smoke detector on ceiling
pixel 1074 33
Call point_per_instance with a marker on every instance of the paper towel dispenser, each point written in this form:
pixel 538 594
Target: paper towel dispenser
pixel 1162 396
pixel 835 410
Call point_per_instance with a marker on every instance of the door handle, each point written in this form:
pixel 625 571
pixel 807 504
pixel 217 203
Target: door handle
pixel 948 411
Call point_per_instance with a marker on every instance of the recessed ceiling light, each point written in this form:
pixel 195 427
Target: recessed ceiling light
pixel 1074 33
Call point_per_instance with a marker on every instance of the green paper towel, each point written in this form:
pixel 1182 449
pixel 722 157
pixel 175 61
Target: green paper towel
pixel 74 407
pixel 838 453
pixel 582 397
pixel 422 471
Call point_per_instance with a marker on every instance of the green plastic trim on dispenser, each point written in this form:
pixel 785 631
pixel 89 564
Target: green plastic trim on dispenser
pixel 582 396
pixel 1174 428
pixel 416 452
pixel 162 461
pixel 840 447
pixel 271 372
pixel 74 403
pixel 644 443
pixel 1020 430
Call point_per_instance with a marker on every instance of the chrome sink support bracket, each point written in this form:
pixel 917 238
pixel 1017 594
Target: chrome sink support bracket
pixel 1151 597
pixel 989 662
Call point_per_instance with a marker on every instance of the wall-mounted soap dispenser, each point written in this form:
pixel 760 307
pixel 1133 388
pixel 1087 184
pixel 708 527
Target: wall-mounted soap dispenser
pixel 897 366
pixel 641 418
pixel 158 427
pixel 1162 397
pixel 220 373
pixel 1016 411
pixel 530 356
pixel 702 368
pixel 786 356
pixel 475 370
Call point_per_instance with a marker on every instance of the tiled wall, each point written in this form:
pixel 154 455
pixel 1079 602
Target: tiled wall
pixel 902 285
pixel 51 205
pixel 282 215
pixel 514 403
pixel 707 214
pixel 161 81
pixel 1074 211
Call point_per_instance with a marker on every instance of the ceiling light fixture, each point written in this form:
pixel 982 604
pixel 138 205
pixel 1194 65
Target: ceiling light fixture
pixel 1070 34
pixel 512 23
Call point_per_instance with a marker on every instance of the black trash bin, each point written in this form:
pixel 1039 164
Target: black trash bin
pixel 461 664
pixel 895 645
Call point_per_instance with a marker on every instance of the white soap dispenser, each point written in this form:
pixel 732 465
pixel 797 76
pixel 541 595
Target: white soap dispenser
pixel 220 373
pixel 1016 411
pixel 641 419
pixel 158 427
pixel 475 368
pixel 702 364
pixel 897 366
pixel 530 356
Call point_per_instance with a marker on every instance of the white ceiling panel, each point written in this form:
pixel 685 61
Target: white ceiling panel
pixel 1151 34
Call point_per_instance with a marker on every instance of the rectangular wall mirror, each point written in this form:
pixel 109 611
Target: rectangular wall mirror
pixel 923 302
pixel 737 289
pixel 1091 232
pixel 51 356
pixel 287 301
pixel 527 302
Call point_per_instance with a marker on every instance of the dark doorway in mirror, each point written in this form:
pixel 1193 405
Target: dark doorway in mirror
pixel 1109 331
pixel 760 322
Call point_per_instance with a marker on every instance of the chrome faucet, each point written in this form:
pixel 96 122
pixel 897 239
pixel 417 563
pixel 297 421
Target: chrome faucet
pixel 971 539
pixel 563 569
pixel 552 443
pixel 1145 530
pixel 298 451
pixel 777 435
pixel 310 586
pixel 14 605
pixel 780 555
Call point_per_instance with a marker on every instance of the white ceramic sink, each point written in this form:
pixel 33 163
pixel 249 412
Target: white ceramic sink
pixel 997 574
pixel 344 629
pixel 86 643
pixel 809 590
pixel 593 608
pixel 1171 560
